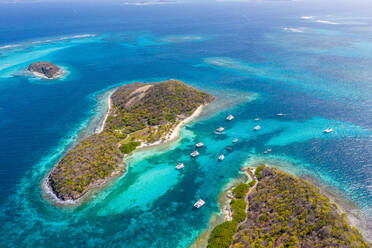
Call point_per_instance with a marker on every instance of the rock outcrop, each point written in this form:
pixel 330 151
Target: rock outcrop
pixel 45 69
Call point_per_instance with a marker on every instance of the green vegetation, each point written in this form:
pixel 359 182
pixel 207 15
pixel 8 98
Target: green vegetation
pixel 159 106
pixel 283 211
pixel 85 164
pixel 222 235
pixel 129 147
pixel 240 190
pixel 258 170
pixel 140 113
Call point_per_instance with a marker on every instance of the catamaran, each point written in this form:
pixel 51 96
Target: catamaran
pixel 199 203
pixel 200 144
pixel 328 130
pixel 256 128
pixel 194 154
pixel 180 166
pixel 230 117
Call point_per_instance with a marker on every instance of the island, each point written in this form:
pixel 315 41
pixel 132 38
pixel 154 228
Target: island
pixel 45 70
pixel 280 210
pixel 140 114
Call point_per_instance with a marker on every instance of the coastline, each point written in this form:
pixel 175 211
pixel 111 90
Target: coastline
pixel 224 213
pixel 175 133
pixel 109 106
pixel 354 216
pixel 49 194
pixel 170 137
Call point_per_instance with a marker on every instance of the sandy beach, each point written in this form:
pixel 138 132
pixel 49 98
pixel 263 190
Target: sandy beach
pixel 175 133
pixel 109 103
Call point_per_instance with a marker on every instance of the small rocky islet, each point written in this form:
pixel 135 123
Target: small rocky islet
pixel 45 69
pixel 140 113
pixel 280 210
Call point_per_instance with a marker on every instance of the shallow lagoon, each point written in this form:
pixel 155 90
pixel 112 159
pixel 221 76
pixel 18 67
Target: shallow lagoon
pixel 151 205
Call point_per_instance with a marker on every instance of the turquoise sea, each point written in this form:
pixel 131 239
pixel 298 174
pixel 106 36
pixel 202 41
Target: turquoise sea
pixel 309 60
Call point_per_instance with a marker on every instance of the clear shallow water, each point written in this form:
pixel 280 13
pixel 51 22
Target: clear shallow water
pixel 319 77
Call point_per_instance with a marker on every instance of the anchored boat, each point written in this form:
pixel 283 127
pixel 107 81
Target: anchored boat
pixel 194 154
pixel 235 140
pixel 230 117
pixel 200 144
pixel 219 130
pixel 221 157
pixel 180 166
pixel 328 130
pixel 199 203
pixel 256 128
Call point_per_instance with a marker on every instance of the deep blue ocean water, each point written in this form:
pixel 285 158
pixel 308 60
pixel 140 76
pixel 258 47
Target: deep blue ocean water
pixel 309 61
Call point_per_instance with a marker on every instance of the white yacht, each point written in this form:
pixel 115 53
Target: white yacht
pixel 256 128
pixel 194 154
pixel 328 130
pixel 180 166
pixel 221 157
pixel 235 140
pixel 200 144
pixel 230 117
pixel 280 114
pixel 199 203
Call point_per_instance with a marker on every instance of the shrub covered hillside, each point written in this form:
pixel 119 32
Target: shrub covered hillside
pixel 89 162
pixel 285 211
pixel 140 105
pixel 139 113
